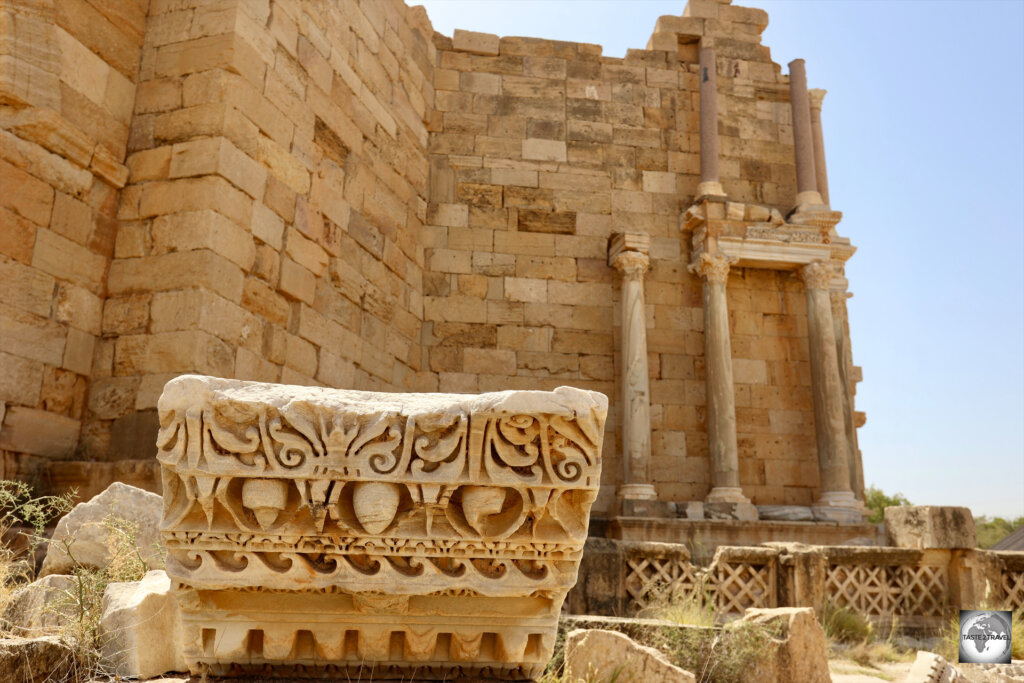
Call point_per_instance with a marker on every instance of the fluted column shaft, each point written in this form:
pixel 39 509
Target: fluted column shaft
pixel 636 403
pixel 826 387
pixel 720 391
pixel 803 145
pixel 709 182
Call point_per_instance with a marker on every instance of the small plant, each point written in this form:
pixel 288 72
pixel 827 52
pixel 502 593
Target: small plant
pixel 85 599
pixel 20 509
pixel 843 625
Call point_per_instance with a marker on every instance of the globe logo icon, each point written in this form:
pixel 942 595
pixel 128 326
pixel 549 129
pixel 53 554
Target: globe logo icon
pixel 985 636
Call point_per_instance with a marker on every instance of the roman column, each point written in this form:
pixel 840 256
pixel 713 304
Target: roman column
pixel 817 96
pixel 803 144
pixel 709 183
pixel 839 325
pixel 721 399
pixel 826 388
pixel 628 255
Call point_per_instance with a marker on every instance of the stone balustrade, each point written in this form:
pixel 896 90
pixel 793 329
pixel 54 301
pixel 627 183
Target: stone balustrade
pixel 918 588
pixel 313 531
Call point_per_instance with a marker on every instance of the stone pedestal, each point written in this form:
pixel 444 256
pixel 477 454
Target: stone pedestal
pixel 721 400
pixel 836 502
pixel 315 532
pixel 627 253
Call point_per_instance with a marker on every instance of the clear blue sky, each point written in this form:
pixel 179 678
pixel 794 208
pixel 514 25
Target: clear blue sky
pixel 924 134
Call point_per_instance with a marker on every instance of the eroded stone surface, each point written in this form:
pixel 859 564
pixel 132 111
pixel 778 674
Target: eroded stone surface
pixel 930 526
pixel 34 660
pixel 315 529
pixel 136 616
pixel 599 656
pixel 89 534
pixel 797 650
pixel 40 607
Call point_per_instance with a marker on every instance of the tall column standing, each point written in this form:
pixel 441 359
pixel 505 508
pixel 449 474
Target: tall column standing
pixel 806 182
pixel 838 299
pixel 817 96
pixel 829 421
pixel 709 183
pixel 721 399
pixel 628 254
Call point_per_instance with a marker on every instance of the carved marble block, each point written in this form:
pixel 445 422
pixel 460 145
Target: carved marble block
pixel 311 531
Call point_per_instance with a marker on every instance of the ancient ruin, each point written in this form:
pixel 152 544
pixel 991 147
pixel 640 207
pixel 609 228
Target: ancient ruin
pixel 316 529
pixel 333 194
pixel 364 226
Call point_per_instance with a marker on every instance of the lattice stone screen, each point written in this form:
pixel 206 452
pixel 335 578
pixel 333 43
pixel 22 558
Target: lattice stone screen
pixel 919 589
pixel 317 530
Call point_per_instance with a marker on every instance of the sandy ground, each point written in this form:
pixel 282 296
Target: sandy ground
pixel 847 671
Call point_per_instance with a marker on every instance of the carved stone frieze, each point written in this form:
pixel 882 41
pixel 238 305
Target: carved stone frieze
pixel 409 530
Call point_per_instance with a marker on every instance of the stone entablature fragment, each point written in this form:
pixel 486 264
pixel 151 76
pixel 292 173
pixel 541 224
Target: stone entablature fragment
pixel 310 527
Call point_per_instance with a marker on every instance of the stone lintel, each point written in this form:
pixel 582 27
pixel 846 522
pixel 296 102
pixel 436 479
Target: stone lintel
pixel 775 254
pixel 311 529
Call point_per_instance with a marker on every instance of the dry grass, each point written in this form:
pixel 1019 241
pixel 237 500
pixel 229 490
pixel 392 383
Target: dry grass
pixel 852 636
pixel 19 508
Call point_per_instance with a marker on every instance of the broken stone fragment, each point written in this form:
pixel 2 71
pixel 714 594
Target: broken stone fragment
pixel 140 629
pixel 599 655
pixel 86 530
pixel 432 535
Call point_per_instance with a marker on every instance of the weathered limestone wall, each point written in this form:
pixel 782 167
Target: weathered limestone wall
pixel 68 76
pixel 540 151
pixel 331 193
pixel 271 227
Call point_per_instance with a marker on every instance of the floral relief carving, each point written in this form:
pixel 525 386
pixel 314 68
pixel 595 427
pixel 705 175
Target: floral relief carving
pixel 295 489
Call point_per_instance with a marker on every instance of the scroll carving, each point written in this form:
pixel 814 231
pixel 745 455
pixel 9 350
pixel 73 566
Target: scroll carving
pixel 433 501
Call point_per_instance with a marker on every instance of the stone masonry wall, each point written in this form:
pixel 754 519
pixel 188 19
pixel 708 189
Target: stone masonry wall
pixel 540 150
pixel 68 76
pixel 271 227
pixel 331 193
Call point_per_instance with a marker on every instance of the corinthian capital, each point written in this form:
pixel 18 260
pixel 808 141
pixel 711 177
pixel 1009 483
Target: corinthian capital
pixel 816 96
pixel 713 267
pixel 632 264
pixel 817 275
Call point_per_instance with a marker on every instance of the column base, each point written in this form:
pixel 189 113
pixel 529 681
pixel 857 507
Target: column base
pixel 810 197
pixel 726 494
pixel 838 506
pixel 710 189
pixel 637 492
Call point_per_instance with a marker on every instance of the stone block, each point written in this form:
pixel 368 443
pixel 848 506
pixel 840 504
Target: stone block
pixel 786 513
pixel 475 43
pixel 598 655
pixel 35 659
pixel 41 607
pixel 334 463
pixel 135 616
pixel 69 260
pixel 544 150
pixel 84 528
pixel 930 526
pixel 38 432
pixel 797 651
pixel 746 512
